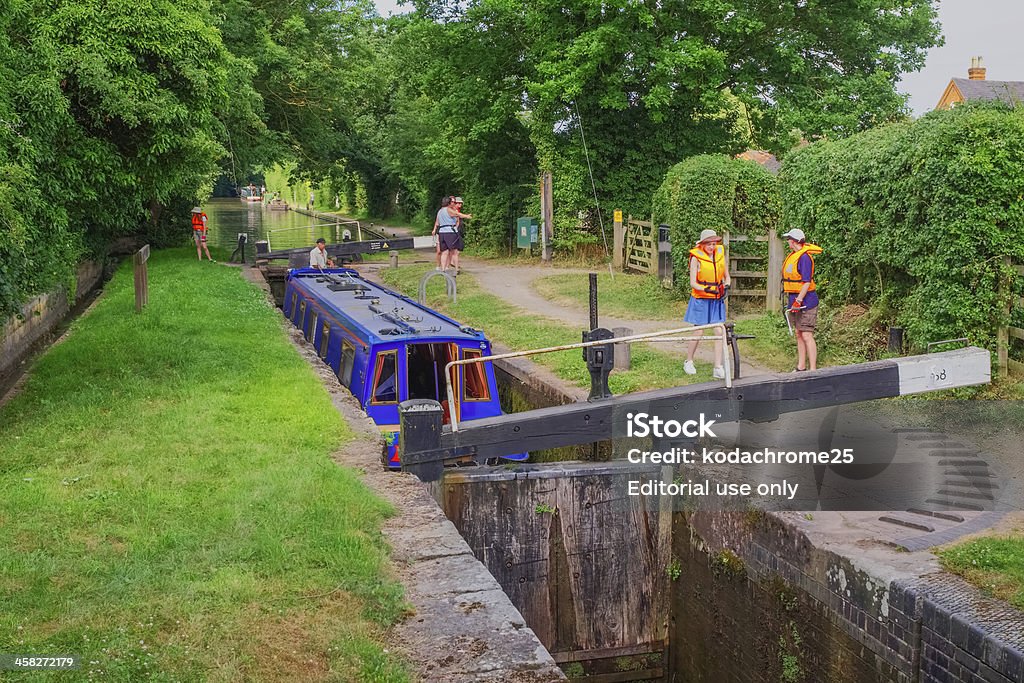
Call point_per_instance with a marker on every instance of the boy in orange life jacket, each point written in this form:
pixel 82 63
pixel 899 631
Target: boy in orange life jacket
pixel 709 284
pixel 798 284
pixel 199 233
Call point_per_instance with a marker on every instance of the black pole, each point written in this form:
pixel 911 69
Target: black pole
pixel 593 301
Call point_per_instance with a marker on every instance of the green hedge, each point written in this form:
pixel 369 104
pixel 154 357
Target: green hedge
pixel 916 217
pixel 721 193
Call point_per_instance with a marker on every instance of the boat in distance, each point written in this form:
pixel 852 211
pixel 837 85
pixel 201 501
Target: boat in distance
pixel 386 348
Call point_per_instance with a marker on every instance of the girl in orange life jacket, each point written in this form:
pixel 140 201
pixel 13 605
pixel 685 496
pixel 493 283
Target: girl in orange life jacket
pixel 709 285
pixel 802 295
pixel 199 233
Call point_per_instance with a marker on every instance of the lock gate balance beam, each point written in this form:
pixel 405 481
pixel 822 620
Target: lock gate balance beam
pixel 424 445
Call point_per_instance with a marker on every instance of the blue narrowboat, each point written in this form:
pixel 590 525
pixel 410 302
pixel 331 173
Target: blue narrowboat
pixel 386 348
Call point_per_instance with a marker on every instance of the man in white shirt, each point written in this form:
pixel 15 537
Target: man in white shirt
pixel 318 256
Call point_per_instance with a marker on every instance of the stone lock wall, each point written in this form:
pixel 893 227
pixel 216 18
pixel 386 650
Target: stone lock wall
pixel 39 316
pixel 755 600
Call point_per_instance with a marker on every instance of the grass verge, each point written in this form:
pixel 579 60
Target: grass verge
pixel 520 331
pixel 993 564
pixel 168 504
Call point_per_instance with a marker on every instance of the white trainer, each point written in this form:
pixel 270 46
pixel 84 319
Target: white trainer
pixel 689 368
pixel 718 373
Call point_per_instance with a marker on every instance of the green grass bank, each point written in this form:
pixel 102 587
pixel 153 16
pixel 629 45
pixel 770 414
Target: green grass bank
pixel 168 505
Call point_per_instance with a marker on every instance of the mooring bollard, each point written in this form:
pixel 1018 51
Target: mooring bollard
pixel 622 358
pixel 419 431
pixel 394 259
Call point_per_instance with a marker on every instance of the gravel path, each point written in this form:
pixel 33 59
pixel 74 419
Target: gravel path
pixel 514 284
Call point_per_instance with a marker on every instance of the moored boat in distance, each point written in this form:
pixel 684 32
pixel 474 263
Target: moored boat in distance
pixel 386 348
pixel 250 193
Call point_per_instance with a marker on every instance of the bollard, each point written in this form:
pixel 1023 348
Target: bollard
pixel 896 339
pixel 622 356
pixel 419 430
pixel 394 259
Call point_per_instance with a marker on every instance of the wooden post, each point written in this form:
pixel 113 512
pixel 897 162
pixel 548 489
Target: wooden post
pixel 773 299
pixel 141 278
pixel 547 215
pixel 394 259
pixel 622 356
pixel 618 240
pixel 1003 333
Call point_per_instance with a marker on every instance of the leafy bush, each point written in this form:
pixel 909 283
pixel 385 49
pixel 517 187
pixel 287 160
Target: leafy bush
pixel 718 192
pixel 915 218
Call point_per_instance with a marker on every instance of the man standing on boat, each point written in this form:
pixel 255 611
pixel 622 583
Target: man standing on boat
pixel 318 257
pixel 199 233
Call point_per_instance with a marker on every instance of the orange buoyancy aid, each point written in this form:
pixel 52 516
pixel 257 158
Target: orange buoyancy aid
pixel 711 273
pixel 792 282
pixel 198 221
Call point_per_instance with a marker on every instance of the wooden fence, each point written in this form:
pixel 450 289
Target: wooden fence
pixel 640 246
pixel 1009 365
pixel 636 249
pixel 766 284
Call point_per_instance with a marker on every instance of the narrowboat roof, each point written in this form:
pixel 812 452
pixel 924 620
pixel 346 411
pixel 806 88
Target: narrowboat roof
pixel 382 314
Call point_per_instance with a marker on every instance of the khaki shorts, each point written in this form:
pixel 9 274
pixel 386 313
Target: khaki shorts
pixel 199 236
pixel 804 320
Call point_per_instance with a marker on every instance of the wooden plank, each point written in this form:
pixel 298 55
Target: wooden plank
pixel 656 647
pixel 748 292
pixel 1019 269
pixel 643 224
pixel 1016 367
pixel 624 676
pixel 739 257
pixel 749 273
pixel 1015 332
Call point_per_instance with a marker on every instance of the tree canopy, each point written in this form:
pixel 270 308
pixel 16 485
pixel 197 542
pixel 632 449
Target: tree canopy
pixel 115 116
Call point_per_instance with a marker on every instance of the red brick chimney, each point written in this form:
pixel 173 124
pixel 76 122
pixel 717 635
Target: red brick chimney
pixel 977 71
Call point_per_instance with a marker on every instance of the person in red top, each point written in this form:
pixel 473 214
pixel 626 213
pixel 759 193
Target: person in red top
pixel 199 233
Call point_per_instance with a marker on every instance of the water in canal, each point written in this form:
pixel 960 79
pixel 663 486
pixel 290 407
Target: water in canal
pixel 283 229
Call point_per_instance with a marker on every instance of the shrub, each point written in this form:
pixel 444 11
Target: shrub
pixel 915 218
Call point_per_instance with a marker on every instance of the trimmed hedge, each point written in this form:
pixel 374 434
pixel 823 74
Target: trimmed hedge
pixel 915 218
pixel 718 192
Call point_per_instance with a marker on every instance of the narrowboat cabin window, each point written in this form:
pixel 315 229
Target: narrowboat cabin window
pixel 325 337
pixel 385 374
pixel 310 327
pixel 474 387
pixel 295 298
pixel 300 322
pixel 348 361
pixel 424 368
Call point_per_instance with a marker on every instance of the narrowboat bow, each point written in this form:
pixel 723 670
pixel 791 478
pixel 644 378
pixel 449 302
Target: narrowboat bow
pixel 386 348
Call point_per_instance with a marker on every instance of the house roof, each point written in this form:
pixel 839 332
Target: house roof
pixel 766 159
pixel 1011 92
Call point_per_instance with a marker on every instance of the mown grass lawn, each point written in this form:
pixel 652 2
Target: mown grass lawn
pixel 521 331
pixel 168 505
pixel 995 564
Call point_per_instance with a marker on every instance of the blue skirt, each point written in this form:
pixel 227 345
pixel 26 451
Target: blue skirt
pixel 705 311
